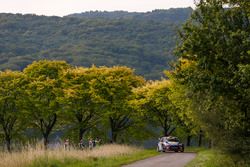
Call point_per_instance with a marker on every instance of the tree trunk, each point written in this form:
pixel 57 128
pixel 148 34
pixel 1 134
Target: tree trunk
pixel 200 139
pixel 8 143
pixel 114 137
pixel 246 123
pixel 81 132
pixel 45 141
pixel 166 132
pixel 189 140
pixel 113 130
pixel 210 143
pixel 47 130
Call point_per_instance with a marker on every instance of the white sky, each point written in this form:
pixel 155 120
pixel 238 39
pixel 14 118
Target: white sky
pixel 65 7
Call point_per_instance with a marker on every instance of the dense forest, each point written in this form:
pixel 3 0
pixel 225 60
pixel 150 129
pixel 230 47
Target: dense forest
pixel 144 41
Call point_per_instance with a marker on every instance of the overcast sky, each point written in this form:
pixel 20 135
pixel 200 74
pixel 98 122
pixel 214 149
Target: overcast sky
pixel 65 7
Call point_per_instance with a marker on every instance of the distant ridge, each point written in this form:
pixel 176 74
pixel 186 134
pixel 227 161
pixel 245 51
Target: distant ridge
pixel 143 41
pixel 156 15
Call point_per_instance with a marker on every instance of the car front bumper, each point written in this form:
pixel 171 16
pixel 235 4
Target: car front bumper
pixel 173 148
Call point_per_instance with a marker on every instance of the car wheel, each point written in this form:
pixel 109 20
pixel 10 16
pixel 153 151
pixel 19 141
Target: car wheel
pixel 158 149
pixel 182 149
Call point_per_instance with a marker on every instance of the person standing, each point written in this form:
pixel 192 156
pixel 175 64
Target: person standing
pixel 81 144
pixel 91 144
pixel 66 144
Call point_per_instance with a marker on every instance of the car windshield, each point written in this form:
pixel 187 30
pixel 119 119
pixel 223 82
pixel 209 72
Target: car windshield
pixel 170 139
pixel 173 140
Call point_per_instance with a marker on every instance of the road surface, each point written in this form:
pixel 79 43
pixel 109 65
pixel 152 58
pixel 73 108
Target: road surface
pixel 165 160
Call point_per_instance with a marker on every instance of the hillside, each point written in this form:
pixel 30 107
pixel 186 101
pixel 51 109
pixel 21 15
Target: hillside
pixel 143 41
pixel 175 15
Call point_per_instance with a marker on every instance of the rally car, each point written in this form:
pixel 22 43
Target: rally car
pixel 170 143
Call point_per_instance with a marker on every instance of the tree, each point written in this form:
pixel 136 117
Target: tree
pixel 181 100
pixel 43 90
pixel 11 100
pixel 215 42
pixel 114 86
pixel 153 100
pixel 80 106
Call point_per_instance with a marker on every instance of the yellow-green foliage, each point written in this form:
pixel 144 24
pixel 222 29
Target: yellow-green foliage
pixel 154 103
pixel 55 93
pixel 11 95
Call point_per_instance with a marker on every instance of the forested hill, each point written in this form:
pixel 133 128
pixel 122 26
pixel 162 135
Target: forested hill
pixel 143 41
pixel 171 15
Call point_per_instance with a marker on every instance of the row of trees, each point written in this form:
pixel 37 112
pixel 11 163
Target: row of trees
pixel 211 79
pixel 50 95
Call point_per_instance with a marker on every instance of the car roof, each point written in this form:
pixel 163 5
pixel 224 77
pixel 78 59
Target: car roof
pixel 169 137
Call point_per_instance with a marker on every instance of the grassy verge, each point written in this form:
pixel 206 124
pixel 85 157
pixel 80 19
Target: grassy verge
pixel 104 156
pixel 194 149
pixel 215 158
pixel 114 161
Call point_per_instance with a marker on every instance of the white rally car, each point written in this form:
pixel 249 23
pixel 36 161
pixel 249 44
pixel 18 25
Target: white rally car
pixel 170 144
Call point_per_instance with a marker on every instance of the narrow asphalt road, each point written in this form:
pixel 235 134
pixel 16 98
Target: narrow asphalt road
pixel 168 159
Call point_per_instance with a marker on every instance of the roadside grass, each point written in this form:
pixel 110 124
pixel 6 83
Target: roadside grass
pixel 114 161
pixel 195 149
pixel 215 158
pixel 104 156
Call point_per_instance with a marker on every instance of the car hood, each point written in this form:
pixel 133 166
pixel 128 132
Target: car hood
pixel 173 143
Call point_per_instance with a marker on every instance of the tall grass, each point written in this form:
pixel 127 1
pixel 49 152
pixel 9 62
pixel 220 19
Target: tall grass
pixel 30 155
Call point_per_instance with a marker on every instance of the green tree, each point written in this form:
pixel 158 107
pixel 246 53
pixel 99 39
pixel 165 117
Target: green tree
pixel 180 99
pixel 216 44
pixel 43 90
pixel 11 101
pixel 79 100
pixel 153 100
pixel 114 86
